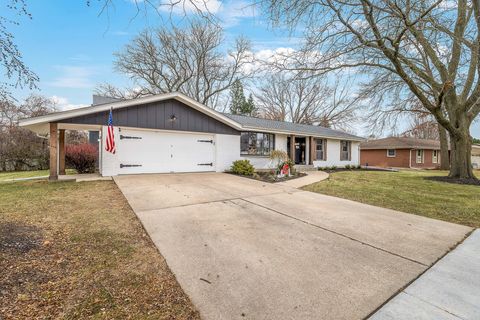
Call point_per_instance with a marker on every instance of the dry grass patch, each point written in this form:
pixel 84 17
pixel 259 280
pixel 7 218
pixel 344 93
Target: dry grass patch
pixel 76 251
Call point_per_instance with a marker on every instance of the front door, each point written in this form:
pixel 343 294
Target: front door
pixel 300 149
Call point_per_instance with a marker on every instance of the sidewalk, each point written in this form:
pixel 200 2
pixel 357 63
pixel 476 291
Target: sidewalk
pixel 448 290
pixel 312 177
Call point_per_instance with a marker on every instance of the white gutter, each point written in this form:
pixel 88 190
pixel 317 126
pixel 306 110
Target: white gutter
pixel 58 116
pixel 300 133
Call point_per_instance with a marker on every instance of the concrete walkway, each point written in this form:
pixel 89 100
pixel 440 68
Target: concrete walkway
pixel 450 290
pixel 311 177
pixel 245 249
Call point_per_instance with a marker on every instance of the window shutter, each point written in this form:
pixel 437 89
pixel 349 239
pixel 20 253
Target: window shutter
pixel 325 146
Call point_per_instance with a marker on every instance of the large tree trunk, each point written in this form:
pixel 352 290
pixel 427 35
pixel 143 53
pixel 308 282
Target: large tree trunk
pixel 444 155
pixel 461 161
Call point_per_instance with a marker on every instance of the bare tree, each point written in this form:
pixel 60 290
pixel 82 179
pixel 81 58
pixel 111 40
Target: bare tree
pixel 186 60
pixel 430 46
pixel 306 100
pixel 422 129
pixel 17 74
pixel 21 149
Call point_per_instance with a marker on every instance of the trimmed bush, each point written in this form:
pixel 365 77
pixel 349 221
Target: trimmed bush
pixel 243 167
pixel 81 157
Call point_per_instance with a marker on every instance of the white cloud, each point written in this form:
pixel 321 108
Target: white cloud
pixel 73 77
pixel 63 104
pixel 190 6
pixel 231 12
pixel 228 12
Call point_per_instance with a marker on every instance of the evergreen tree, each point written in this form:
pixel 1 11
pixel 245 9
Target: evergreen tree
pixel 238 98
pixel 249 106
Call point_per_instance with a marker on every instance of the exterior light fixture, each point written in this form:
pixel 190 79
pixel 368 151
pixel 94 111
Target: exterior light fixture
pixel 172 118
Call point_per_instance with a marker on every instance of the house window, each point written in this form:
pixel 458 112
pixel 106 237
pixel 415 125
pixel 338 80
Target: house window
pixel 321 149
pixel 256 143
pixel 391 153
pixel 345 148
pixel 419 156
pixel 435 156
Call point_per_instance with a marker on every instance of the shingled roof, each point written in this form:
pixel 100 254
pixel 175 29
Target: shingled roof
pixel 254 123
pixel 400 143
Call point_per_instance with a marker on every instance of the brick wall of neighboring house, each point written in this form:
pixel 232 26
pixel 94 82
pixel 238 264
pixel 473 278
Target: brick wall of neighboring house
pixel 378 158
pixel 427 160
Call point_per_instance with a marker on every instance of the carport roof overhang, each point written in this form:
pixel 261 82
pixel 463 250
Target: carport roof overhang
pixel 41 124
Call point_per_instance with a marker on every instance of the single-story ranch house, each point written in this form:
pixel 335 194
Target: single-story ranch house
pixel 174 133
pixel 401 152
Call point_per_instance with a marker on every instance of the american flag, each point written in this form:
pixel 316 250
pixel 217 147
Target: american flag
pixel 110 141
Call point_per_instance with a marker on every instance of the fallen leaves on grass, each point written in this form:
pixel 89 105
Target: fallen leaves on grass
pixel 77 251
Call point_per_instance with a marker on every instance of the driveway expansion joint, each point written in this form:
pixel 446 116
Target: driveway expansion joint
pixel 433 305
pixel 337 233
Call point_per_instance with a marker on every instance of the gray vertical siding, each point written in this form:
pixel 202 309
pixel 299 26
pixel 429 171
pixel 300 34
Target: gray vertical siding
pixel 157 115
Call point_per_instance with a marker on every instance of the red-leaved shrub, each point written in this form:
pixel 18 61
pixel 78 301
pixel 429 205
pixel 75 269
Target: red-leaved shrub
pixel 81 157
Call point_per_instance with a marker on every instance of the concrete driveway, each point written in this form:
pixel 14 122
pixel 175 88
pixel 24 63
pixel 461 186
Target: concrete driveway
pixel 243 249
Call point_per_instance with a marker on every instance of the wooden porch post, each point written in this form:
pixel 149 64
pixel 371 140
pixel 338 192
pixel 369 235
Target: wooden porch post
pixel 313 149
pixel 292 148
pixel 61 151
pixel 53 152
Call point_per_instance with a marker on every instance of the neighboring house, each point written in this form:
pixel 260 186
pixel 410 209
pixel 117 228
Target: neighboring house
pixel 174 133
pixel 400 152
pixel 476 156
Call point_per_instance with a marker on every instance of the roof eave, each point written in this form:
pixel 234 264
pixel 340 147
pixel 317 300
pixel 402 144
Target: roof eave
pixel 58 116
pixel 287 132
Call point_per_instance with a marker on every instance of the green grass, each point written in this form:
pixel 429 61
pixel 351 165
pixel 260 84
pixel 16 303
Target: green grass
pixel 8 176
pixel 407 191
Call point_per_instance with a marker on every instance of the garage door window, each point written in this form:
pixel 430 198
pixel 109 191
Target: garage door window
pixel 256 143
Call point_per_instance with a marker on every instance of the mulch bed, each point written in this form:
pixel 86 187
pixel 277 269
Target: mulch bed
pixel 266 176
pixel 455 181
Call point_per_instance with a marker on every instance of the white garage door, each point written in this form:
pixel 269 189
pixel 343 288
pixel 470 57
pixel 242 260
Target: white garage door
pixel 159 152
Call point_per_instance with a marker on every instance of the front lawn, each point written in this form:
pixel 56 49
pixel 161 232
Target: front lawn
pixel 11 175
pixel 75 251
pixel 407 191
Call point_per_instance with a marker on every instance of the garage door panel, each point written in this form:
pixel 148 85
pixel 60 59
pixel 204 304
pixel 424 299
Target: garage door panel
pixel 161 152
pixel 193 153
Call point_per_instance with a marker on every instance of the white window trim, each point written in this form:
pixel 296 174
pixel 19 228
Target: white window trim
pixel 324 149
pixel 394 153
pixel 349 154
pixel 435 156
pixel 422 157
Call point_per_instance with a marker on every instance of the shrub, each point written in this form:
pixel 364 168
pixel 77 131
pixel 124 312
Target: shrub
pixel 278 156
pixel 333 168
pixel 243 167
pixel 359 167
pixel 81 157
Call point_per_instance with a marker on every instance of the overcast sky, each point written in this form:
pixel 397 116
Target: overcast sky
pixel 71 47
